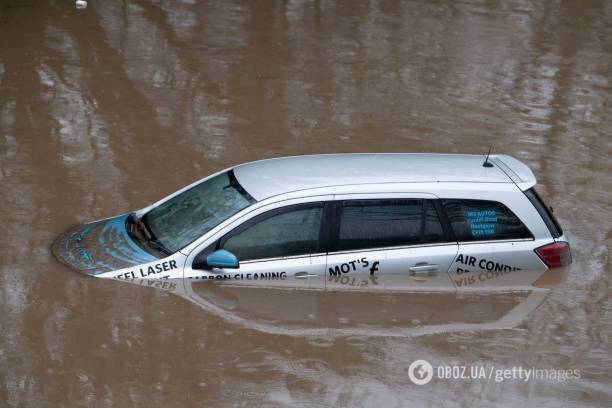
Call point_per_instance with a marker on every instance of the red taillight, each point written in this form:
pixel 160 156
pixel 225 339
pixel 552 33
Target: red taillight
pixel 555 254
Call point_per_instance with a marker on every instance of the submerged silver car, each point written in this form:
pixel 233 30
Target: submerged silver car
pixel 441 222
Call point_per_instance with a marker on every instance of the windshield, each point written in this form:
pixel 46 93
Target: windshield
pixel 189 215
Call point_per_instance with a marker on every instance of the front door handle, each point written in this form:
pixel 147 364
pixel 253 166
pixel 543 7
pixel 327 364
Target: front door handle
pixel 304 275
pixel 423 269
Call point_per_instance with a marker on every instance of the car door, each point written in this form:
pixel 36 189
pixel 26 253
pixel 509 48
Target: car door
pixel 395 242
pixel 279 247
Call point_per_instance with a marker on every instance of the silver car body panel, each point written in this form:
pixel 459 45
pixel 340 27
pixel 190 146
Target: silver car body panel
pixel 266 178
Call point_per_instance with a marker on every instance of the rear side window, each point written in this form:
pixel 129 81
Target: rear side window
pixel 366 224
pixel 479 220
pixel 544 211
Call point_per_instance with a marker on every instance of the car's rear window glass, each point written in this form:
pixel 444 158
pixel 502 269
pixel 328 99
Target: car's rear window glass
pixel 479 220
pixel 292 232
pixel 368 224
pixel 545 212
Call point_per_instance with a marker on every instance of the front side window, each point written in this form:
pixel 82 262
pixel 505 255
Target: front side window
pixel 189 215
pixel 290 231
pixel 366 224
pixel 479 220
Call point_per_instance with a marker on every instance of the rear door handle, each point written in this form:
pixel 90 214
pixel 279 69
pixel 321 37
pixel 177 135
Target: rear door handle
pixel 304 275
pixel 423 269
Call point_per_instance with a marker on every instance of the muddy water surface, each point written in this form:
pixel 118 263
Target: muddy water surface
pixel 108 109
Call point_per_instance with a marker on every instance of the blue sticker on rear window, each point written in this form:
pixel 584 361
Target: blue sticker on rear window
pixel 481 222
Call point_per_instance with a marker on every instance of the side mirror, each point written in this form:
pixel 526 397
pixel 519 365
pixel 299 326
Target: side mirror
pixel 222 259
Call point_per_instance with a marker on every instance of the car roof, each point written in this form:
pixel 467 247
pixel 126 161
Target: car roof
pixel 267 178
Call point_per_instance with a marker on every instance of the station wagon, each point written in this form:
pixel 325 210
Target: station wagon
pixel 443 222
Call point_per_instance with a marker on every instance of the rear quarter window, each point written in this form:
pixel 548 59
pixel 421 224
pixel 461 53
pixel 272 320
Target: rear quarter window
pixel 545 212
pixel 480 220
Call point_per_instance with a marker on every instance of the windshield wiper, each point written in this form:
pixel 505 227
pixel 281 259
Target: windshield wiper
pixel 144 234
pixel 143 228
pixel 131 226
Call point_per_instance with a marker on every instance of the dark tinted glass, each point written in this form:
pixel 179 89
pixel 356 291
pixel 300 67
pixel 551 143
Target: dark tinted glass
pixel 380 223
pixel 290 233
pixel 477 220
pixel 544 211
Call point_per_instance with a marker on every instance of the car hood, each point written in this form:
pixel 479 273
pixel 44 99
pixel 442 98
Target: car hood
pixel 98 247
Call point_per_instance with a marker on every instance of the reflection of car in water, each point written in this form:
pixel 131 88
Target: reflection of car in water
pixel 387 306
pixel 439 222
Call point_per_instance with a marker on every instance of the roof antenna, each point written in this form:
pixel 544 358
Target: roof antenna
pixel 486 162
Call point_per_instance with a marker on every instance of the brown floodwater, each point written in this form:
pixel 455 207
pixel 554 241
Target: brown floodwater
pixel 107 109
